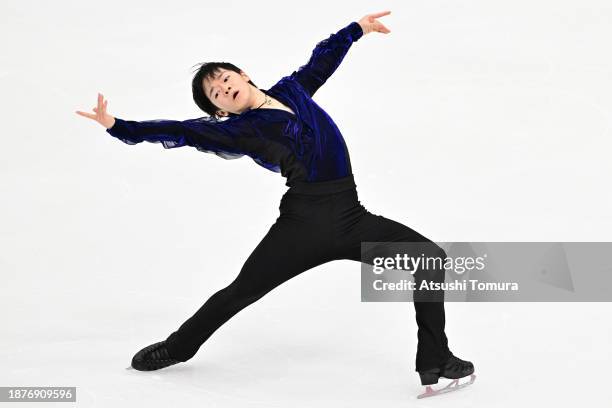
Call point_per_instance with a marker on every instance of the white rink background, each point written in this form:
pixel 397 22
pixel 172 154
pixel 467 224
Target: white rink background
pixel 471 121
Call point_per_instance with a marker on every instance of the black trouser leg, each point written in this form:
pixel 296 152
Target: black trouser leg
pixel 312 230
pixel 354 224
pixel 299 240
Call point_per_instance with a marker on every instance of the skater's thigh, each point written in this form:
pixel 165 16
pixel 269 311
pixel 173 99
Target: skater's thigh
pixel 288 249
pixel 376 228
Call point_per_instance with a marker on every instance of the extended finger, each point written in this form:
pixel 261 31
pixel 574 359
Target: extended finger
pixel 100 98
pixel 87 115
pixel 382 13
pixel 383 29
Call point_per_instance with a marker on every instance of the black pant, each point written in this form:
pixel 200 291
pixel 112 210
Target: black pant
pixel 318 223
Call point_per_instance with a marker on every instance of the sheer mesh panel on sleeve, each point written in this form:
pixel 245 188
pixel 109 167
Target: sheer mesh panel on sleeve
pixel 326 58
pixel 206 134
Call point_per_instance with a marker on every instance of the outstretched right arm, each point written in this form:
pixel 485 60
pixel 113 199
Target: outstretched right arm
pixel 205 134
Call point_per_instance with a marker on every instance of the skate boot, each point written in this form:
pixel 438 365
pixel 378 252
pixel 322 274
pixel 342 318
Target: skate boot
pixel 153 357
pixel 454 369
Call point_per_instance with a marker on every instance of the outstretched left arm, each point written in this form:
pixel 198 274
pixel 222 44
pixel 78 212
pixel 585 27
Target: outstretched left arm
pixel 329 53
pixel 369 23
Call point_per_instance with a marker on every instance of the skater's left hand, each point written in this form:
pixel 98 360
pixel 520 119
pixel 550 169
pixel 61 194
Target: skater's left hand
pixel 369 23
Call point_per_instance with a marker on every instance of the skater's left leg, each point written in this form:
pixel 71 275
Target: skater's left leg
pixel 354 225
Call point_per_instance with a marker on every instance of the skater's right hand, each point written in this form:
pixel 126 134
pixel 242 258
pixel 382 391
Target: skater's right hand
pixel 100 114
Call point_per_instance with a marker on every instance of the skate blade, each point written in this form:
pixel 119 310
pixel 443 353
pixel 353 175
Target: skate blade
pixel 453 386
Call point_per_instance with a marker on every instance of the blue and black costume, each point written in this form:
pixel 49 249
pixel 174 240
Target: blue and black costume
pixel 321 218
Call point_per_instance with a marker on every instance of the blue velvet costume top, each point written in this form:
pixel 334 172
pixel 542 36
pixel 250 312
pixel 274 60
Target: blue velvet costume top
pixel 305 147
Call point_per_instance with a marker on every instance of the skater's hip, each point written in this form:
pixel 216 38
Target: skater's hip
pixel 323 202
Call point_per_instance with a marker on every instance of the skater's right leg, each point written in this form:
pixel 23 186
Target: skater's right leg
pixel 293 245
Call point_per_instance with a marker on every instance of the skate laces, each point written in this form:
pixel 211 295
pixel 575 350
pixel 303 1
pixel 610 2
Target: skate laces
pixel 458 365
pixel 157 353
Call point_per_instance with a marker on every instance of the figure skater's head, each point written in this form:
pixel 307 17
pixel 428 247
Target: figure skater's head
pixel 222 89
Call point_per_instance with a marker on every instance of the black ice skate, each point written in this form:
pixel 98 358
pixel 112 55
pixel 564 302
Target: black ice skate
pixel 153 357
pixel 454 369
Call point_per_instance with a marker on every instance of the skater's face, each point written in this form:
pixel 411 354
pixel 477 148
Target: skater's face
pixel 229 91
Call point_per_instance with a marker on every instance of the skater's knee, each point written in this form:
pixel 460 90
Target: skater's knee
pixel 431 250
pixel 434 250
pixel 441 253
pixel 432 268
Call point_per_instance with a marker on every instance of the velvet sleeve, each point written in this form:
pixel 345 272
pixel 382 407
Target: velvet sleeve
pixel 326 57
pixel 206 134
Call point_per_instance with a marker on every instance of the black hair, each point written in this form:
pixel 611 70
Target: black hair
pixel 207 70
